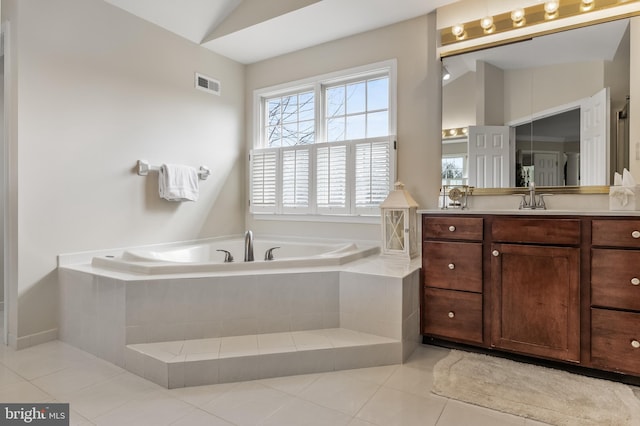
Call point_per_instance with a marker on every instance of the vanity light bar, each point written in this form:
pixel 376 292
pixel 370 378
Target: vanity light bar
pixel 455 132
pixel 524 17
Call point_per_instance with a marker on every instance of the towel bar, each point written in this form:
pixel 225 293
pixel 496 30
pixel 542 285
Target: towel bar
pixel 144 168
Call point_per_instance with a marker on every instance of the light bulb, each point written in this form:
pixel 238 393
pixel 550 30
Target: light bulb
pixel 586 5
pixel 457 30
pixel 446 75
pixel 486 23
pixel 517 15
pixel 551 7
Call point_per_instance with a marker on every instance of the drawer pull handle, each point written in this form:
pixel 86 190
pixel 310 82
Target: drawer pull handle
pixel 452 266
pixel 453 228
pixel 451 314
pixel 495 253
pixel 635 281
pixel 635 344
pixel 635 234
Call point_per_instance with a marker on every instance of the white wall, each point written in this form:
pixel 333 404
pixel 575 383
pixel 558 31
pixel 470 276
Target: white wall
pixel 459 102
pixel 97 90
pixel 533 90
pixel 413 44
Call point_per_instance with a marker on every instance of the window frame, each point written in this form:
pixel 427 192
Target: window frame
pixel 318 85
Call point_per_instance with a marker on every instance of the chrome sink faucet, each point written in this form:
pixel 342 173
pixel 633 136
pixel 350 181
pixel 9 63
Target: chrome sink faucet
pixel 248 246
pixel 533 202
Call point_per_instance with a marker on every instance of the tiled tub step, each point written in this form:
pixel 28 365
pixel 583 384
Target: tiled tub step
pixel 238 358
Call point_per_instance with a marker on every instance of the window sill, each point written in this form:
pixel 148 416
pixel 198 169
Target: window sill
pixel 317 218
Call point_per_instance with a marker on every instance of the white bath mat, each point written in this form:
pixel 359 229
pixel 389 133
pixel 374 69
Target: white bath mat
pixel 547 395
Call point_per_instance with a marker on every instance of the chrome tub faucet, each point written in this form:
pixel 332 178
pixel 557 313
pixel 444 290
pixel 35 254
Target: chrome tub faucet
pixel 248 246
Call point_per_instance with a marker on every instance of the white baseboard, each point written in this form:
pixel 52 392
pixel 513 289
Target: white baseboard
pixel 33 339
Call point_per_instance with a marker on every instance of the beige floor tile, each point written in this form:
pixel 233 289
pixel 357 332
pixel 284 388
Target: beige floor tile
pixel 390 407
pixel 103 397
pixel 340 391
pixel 23 391
pixel 44 359
pixel 426 356
pixel 458 413
pixel 81 375
pixel 247 404
pixel 8 376
pixel 76 419
pixel 378 375
pixel 359 422
pixel 411 380
pixel 156 409
pixel 201 395
pixel 102 394
pixel 292 385
pixel 299 412
pixel 529 422
pixel 198 417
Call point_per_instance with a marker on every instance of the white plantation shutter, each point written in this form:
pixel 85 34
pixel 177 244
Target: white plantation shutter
pixel 295 179
pixel 325 145
pixel 331 177
pixel 264 180
pixel 373 171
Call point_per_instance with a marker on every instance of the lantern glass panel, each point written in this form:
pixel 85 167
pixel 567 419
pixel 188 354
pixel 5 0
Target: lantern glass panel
pixel 394 227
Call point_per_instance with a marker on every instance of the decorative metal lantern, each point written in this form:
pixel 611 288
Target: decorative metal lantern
pixel 399 224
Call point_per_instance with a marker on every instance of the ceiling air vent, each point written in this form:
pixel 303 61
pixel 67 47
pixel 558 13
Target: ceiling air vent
pixel 207 84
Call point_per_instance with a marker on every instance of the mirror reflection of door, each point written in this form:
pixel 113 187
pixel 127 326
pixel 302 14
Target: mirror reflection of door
pixel 491 157
pixel 545 166
pixel 594 138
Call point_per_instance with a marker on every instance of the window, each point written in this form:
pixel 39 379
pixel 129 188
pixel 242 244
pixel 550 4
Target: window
pixel 325 146
pixel 454 170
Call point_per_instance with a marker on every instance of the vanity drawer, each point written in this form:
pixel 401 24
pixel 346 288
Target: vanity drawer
pixel 453 314
pixel 616 233
pixel 615 340
pixel 452 228
pixel 542 231
pixel 456 266
pixel 615 278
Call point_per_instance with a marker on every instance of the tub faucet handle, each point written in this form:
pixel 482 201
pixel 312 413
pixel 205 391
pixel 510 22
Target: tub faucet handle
pixel 228 258
pixel 268 255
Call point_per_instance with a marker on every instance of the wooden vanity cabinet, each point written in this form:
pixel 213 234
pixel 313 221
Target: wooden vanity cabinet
pixel 564 288
pixel 535 284
pixel 615 295
pixel 452 278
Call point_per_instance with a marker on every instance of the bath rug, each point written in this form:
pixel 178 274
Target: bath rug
pixel 551 396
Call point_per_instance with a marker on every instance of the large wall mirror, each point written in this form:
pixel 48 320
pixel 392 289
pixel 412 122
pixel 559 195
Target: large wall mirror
pixel 553 110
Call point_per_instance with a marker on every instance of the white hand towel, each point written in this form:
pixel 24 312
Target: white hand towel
pixel 178 183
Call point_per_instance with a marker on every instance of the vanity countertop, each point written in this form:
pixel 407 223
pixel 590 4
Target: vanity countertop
pixel 538 212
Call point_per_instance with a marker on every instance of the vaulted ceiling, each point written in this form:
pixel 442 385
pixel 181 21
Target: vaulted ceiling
pixel 253 30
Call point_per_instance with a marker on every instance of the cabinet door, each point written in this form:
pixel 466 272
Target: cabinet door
pixel 536 300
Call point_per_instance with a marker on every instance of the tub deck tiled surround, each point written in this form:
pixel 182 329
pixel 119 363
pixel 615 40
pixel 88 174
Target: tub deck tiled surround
pixel 182 331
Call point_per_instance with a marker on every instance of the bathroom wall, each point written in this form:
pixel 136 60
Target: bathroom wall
pixel 413 44
pixel 98 89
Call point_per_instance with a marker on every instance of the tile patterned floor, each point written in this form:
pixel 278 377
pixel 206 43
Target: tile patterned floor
pixel 103 394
